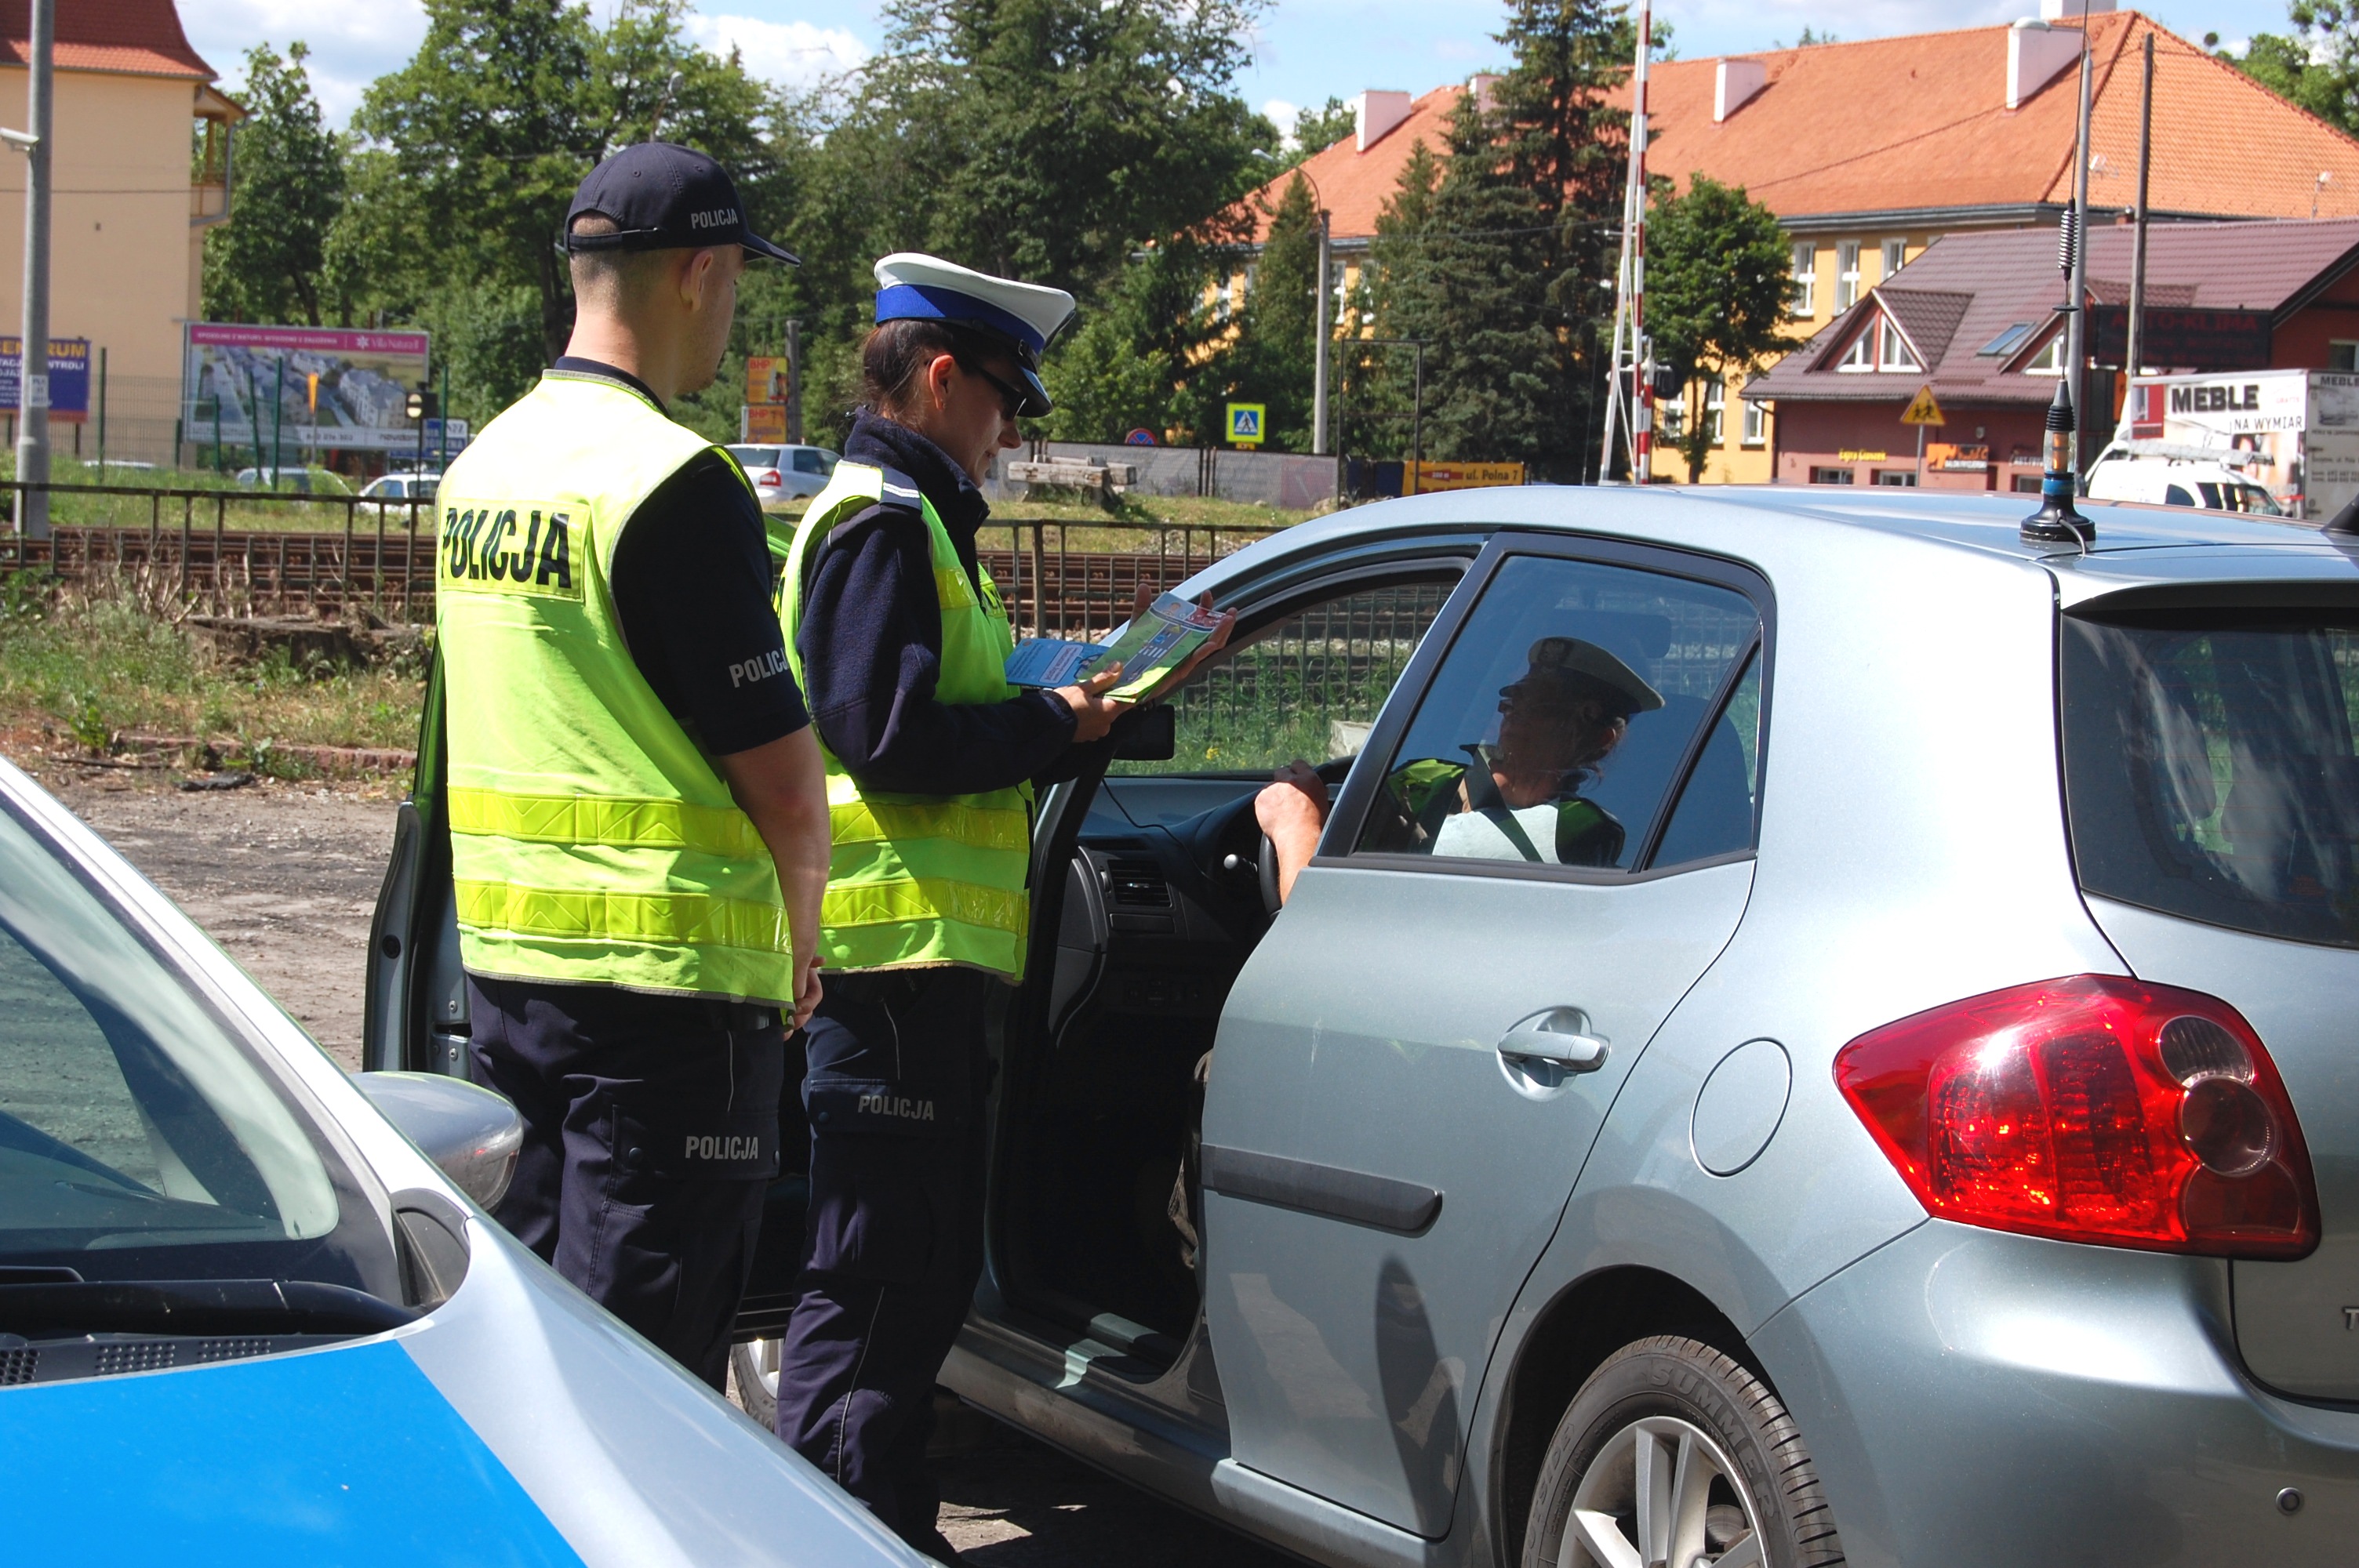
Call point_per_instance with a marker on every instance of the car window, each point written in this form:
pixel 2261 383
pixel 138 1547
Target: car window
pixel 755 457
pixel 2177 495
pixel 1306 685
pixel 1716 812
pixel 130 1116
pixel 1558 722
pixel 2212 771
pixel 393 489
pixel 807 460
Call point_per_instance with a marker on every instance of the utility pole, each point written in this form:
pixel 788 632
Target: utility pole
pixel 794 382
pixel 2132 357
pixel 2076 325
pixel 1631 354
pixel 33 383
pixel 1325 331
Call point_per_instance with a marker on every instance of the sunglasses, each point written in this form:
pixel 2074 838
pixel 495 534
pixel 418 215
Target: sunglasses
pixel 1012 399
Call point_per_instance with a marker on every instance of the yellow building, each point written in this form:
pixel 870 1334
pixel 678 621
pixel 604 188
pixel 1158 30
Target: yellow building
pixel 140 165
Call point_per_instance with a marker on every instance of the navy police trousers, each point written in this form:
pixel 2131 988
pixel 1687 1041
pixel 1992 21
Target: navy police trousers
pixel 651 1132
pixel 894 1243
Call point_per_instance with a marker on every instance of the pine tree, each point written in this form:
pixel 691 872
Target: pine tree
pixel 1274 359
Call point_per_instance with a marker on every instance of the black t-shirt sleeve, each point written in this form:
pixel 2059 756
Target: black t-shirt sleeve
pixel 691 582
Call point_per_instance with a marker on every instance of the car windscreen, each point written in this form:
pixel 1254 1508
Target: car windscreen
pixel 2211 769
pixel 140 1135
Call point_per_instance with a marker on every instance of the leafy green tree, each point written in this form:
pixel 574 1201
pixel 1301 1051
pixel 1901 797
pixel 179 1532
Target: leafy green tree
pixel 1316 130
pixel 1144 358
pixel 1046 139
pixel 267 263
pixel 1274 356
pixel 506 105
pixel 2317 66
pixel 1375 384
pixel 1717 290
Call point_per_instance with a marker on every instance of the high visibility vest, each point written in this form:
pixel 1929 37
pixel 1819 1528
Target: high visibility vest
pixel 591 841
pixel 919 879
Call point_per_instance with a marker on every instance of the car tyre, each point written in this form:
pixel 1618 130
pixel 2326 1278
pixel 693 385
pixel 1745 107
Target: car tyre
pixel 1672 1452
pixel 754 1377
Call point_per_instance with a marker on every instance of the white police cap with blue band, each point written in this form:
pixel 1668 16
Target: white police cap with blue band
pixel 1023 316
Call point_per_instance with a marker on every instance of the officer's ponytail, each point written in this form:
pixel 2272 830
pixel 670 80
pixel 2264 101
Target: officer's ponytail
pixel 893 358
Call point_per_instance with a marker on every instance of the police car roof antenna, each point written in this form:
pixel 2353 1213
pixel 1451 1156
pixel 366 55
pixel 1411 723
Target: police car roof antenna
pixel 2058 520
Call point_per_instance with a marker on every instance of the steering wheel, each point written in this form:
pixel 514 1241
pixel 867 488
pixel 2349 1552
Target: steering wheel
pixel 1331 772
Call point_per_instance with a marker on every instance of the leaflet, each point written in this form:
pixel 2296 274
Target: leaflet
pixel 1154 645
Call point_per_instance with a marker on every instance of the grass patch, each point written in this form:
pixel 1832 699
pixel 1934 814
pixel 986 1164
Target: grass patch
pixel 93 667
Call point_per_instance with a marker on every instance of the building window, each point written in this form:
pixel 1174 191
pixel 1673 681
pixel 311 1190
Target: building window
pixel 1756 422
pixel 1895 354
pixel 1846 274
pixel 1223 298
pixel 1861 355
pixel 1904 478
pixel 1896 255
pixel 1806 278
pixel 2342 356
pixel 1671 416
pixel 2026 484
pixel 2049 359
pixel 1715 407
pixel 1833 476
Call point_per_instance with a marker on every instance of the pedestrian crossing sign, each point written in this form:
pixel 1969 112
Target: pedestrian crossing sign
pixel 1245 422
pixel 1923 410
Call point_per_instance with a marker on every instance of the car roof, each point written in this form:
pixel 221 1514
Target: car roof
pixel 2134 544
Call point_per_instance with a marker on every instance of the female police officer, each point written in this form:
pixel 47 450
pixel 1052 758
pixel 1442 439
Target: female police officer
pixel 899 639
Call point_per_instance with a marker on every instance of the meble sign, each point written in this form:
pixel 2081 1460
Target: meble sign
pixel 2215 399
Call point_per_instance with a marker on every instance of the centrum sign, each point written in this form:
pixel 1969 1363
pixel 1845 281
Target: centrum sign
pixel 244 386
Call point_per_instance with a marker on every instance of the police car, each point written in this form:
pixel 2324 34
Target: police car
pixel 1819 1027
pixel 244 1318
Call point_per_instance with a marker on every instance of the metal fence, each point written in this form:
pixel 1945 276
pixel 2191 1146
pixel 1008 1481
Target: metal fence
pixel 1285 479
pixel 1060 579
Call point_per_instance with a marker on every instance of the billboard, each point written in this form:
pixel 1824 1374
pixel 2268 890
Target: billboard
pixel 69 377
pixel 293 390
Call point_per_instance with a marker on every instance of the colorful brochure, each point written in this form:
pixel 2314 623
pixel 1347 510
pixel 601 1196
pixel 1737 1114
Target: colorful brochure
pixel 1149 649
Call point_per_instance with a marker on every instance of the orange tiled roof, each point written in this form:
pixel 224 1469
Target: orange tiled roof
pixel 1355 185
pixel 1920 122
pixel 140 38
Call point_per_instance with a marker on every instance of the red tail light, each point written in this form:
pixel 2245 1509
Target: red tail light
pixel 768 476
pixel 2092 1108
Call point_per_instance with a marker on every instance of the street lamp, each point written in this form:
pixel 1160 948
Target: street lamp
pixel 1324 329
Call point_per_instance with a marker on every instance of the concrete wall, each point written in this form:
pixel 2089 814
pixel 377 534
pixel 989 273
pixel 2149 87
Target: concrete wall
pixel 1284 480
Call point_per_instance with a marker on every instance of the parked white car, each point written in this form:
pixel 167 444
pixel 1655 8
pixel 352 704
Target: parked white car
pixel 786 473
pixel 2210 485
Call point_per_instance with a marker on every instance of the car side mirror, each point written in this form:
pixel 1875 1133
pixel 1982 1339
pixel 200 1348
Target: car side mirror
pixel 471 1134
pixel 1148 734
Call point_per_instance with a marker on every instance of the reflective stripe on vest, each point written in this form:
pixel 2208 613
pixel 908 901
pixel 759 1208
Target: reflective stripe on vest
pixel 592 842
pixel 921 880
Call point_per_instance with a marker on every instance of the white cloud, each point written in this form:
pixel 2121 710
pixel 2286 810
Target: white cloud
pixel 1281 113
pixel 793 54
pixel 351 44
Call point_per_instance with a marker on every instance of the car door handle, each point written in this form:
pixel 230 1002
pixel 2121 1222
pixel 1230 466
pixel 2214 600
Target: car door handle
pixel 1560 1036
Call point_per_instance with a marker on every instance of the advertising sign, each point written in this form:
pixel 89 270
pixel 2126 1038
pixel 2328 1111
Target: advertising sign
pixel 765 379
pixel 1245 421
pixel 2303 427
pixel 2198 340
pixel 1463 476
pixel 762 422
pixel 69 377
pixel 241 385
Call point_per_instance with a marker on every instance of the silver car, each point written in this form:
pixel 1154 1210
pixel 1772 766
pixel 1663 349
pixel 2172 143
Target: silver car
pixel 1818 1029
pixel 781 474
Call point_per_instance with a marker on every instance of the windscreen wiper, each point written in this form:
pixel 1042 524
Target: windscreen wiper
pixel 43 1310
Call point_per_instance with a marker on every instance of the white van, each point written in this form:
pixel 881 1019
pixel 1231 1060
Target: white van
pixel 2208 483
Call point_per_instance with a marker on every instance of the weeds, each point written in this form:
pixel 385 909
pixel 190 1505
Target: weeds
pixel 94 664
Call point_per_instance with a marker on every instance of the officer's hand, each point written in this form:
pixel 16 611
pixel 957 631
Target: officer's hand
pixel 1094 712
pixel 807 991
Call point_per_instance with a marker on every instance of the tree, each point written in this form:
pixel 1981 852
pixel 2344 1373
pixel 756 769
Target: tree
pixel 1374 385
pixel 266 263
pixel 1274 359
pixel 2317 66
pixel 1141 358
pixel 1717 287
pixel 1316 130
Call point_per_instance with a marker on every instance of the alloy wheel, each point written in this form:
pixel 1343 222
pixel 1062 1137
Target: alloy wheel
pixel 1661 1494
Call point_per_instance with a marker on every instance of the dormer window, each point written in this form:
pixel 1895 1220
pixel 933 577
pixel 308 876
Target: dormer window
pixel 2049 359
pixel 1879 347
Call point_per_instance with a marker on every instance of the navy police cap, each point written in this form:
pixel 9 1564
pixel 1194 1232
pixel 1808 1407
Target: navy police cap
pixel 661 196
pixel 1020 316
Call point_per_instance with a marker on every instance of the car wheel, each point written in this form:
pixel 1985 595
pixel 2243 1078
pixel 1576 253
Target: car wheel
pixel 1673 1454
pixel 754 1370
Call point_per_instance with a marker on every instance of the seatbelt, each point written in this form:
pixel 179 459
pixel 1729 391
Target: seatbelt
pixel 1499 816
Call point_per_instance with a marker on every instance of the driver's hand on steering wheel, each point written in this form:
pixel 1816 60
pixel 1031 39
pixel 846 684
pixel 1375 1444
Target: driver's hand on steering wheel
pixel 1292 809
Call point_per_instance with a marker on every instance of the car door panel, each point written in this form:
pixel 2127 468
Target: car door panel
pixel 1347 1347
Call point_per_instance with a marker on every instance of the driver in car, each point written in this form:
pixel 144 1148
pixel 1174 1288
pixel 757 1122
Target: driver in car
pixel 1520 799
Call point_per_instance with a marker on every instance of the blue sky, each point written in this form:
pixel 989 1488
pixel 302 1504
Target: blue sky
pixel 1304 51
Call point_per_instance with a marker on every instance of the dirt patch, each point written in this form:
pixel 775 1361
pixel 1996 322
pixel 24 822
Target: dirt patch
pixel 285 876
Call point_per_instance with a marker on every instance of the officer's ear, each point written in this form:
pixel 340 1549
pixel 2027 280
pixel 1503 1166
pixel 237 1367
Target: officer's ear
pixel 704 271
pixel 937 381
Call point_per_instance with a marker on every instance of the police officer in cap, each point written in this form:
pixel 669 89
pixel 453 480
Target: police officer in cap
pixel 899 637
pixel 636 802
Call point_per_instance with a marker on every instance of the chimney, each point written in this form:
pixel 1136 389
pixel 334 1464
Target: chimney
pixel 1738 81
pixel 1480 84
pixel 2036 53
pixel 2072 10
pixel 1378 112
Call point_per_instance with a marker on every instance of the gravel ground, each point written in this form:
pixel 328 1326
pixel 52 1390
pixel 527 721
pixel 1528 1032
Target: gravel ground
pixel 285 876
